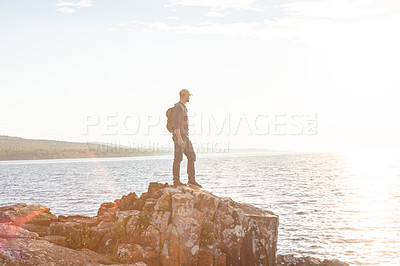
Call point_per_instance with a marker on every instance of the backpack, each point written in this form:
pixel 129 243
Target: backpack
pixel 169 120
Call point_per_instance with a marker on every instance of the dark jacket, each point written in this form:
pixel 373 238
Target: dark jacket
pixel 180 118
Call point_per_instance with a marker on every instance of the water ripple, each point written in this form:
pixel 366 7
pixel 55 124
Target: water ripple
pixel 327 208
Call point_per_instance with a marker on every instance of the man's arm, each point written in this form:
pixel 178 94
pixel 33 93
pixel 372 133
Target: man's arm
pixel 178 134
pixel 176 119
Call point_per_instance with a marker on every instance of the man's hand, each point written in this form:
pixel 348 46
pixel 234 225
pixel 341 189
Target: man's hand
pixel 178 134
pixel 180 142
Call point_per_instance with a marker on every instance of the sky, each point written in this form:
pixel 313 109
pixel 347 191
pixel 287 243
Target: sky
pixel 288 75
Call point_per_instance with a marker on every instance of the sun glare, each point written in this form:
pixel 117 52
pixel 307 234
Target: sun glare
pixel 374 175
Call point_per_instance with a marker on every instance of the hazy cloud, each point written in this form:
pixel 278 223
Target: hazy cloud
pixel 268 30
pixel 333 10
pixel 220 4
pixel 298 20
pixel 69 6
pixel 84 3
pixel 341 9
pixel 66 9
pixel 65 4
pixel 217 13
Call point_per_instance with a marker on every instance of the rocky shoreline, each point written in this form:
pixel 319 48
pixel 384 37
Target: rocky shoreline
pixel 166 225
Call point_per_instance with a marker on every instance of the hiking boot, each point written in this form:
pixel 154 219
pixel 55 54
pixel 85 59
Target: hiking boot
pixel 178 183
pixel 194 183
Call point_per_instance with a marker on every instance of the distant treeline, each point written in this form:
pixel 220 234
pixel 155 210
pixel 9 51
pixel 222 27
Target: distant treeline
pixel 15 148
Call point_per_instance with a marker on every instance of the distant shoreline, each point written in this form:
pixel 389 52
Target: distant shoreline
pixel 16 148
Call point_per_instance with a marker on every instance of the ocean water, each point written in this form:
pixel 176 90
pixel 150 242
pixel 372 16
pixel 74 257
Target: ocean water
pixel 344 206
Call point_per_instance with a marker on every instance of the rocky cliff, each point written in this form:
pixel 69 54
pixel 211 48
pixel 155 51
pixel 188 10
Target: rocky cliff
pixel 166 225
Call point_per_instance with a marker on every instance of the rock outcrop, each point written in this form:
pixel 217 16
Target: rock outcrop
pixel 166 225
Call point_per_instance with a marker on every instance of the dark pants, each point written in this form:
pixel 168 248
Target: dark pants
pixel 186 149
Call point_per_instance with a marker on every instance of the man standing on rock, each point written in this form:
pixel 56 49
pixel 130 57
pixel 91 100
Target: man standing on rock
pixel 182 143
